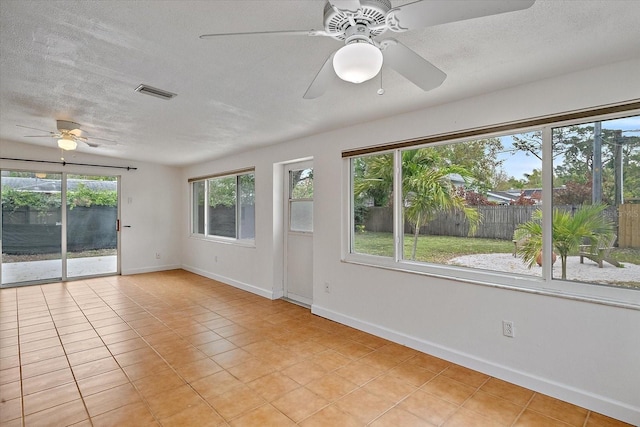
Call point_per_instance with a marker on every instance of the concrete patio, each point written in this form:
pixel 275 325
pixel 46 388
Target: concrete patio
pixel 19 272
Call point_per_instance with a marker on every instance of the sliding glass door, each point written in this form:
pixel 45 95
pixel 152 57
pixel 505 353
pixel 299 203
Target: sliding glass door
pixel 57 226
pixel 92 217
pixel 31 227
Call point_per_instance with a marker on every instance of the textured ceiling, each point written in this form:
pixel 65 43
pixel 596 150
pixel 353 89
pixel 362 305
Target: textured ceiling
pixel 81 61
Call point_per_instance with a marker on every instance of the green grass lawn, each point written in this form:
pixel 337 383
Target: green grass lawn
pixel 440 249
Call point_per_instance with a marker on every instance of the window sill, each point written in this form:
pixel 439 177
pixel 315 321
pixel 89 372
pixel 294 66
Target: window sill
pixel 578 291
pixel 225 240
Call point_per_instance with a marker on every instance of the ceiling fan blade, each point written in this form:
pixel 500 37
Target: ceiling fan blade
pixel 435 12
pixel 105 140
pixel 273 33
pixel 412 66
pixel 323 79
pixel 351 6
pixel 38 136
pixel 40 130
pixel 90 141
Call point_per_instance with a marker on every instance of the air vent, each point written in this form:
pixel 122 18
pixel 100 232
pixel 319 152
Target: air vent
pixel 153 91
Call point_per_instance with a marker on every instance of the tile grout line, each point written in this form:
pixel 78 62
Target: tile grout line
pixel 146 403
pixel 20 360
pixel 524 408
pixel 152 348
pixel 467 399
pixel 334 340
pixel 384 372
pixel 75 380
pixel 224 369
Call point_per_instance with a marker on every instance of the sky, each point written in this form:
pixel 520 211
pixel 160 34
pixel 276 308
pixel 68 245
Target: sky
pixel 517 163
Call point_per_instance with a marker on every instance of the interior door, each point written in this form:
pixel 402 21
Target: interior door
pixel 299 232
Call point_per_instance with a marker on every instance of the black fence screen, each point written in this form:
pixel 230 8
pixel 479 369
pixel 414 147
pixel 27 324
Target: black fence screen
pixel 25 232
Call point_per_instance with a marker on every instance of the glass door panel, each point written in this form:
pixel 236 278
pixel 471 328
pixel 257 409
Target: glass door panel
pixel 92 236
pixel 299 235
pixel 31 227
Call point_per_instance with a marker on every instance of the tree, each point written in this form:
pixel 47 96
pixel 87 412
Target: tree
pixel 502 180
pixel 302 184
pixel 426 186
pixel 373 179
pixel 511 183
pixel 522 200
pixel 569 230
pixel 373 175
pixel 222 191
pixel 572 152
pixel 427 189
pixel 13 199
pixel 533 179
pixel 473 198
pixel 86 197
pixel 573 193
pixel 479 158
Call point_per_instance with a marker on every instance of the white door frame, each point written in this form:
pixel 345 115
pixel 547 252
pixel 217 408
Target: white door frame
pixel 63 235
pixel 307 299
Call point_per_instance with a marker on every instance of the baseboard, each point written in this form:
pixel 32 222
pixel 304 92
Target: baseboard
pixel 231 282
pixel 155 268
pixel 592 401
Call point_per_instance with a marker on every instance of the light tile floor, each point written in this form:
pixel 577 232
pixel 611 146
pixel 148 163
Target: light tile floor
pixel 177 349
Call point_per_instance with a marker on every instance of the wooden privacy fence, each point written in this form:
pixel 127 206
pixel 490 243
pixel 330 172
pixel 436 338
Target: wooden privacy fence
pixel 629 226
pixel 499 222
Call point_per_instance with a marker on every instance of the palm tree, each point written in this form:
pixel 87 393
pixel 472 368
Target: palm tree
pixel 427 190
pixel 374 178
pixel 426 187
pixel 569 231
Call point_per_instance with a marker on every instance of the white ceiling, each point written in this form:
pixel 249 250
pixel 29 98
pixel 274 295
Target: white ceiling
pixel 81 61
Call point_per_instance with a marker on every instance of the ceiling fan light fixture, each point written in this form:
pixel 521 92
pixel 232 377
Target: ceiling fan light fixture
pixel 67 143
pixel 357 61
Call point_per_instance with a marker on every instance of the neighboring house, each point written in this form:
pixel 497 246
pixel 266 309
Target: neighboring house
pixel 502 197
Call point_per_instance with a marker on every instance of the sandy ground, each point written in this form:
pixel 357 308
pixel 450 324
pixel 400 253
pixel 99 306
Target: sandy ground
pixel 587 272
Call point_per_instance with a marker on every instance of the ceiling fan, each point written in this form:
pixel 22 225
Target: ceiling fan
pixel 361 23
pixel 68 135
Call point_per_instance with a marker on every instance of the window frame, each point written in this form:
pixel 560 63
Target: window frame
pixel 291 200
pixel 544 284
pixel 237 206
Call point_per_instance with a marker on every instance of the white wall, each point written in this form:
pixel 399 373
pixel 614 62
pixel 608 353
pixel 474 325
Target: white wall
pixel 582 352
pixel 150 202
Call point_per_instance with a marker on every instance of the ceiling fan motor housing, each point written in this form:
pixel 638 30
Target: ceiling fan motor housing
pixel 372 13
pixel 65 126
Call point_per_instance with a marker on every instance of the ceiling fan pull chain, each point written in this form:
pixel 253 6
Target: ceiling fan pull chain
pixel 381 90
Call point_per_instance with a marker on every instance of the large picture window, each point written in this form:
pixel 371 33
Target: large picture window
pixel 373 205
pixel 230 206
pixel 460 206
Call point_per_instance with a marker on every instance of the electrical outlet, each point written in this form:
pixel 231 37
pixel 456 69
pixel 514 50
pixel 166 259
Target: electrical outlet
pixel 157 255
pixel 327 289
pixel 507 329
